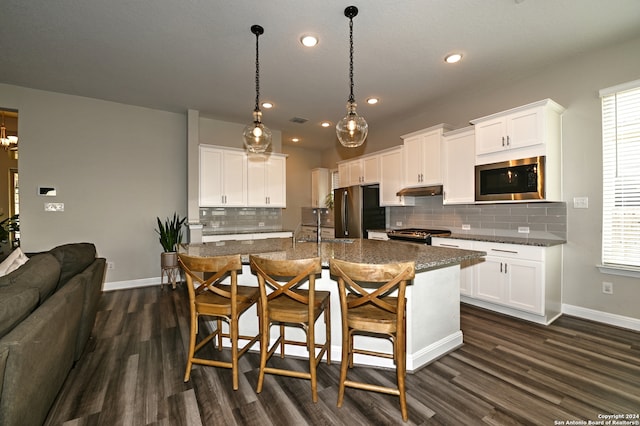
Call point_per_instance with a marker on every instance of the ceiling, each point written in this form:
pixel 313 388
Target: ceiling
pixel 194 54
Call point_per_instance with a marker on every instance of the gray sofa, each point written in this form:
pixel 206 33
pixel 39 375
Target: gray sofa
pixel 47 310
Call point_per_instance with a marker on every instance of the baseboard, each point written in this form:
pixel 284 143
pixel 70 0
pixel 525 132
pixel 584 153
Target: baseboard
pixel 127 285
pixel 603 317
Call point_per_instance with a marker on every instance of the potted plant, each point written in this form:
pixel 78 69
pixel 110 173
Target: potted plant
pixel 170 238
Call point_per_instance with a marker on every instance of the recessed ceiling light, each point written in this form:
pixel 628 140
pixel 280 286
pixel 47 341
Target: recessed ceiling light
pixel 295 140
pixel 326 124
pixel 267 105
pixel 308 40
pixel 373 101
pixel 453 58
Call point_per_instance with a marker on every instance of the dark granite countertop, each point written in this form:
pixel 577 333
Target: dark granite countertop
pixel 525 241
pixel 352 250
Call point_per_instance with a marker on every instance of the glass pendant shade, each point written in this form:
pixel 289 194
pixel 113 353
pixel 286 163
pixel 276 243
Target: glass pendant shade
pixel 352 130
pixel 257 136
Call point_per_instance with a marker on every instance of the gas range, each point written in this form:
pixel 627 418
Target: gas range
pixel 417 235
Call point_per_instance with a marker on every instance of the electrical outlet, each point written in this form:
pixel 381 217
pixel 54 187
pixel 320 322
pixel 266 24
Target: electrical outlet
pixel 580 202
pixel 466 227
pixel 111 265
pixel 607 288
pixel 399 223
pixel 260 224
pixel 523 229
pixel 53 207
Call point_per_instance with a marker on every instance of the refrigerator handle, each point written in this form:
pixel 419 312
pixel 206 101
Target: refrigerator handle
pixel 345 214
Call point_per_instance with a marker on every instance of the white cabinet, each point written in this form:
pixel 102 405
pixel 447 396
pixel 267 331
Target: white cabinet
pixel 223 177
pixel 361 171
pixel 518 133
pixel 320 187
pixel 467 287
pixel 519 280
pixel 391 178
pixel 458 169
pixel 267 178
pixel 422 156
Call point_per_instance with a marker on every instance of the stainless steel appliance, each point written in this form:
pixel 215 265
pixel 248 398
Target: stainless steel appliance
pixel 417 235
pixel 356 209
pixel 514 180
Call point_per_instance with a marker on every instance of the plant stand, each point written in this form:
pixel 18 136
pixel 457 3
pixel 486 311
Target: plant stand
pixel 169 268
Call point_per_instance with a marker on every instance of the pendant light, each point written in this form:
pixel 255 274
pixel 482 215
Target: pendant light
pixel 257 137
pixel 352 129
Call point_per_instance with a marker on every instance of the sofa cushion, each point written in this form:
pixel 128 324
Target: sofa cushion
pixel 42 272
pixel 16 303
pixel 73 259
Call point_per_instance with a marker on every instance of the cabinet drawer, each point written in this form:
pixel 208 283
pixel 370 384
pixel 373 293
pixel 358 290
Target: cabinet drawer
pixel 516 251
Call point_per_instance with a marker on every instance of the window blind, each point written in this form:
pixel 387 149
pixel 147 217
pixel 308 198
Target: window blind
pixel 621 175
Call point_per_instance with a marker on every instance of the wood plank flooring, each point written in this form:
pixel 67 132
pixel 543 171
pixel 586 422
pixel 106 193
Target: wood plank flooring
pixel 508 372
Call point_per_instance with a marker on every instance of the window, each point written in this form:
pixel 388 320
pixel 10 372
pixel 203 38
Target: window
pixel 621 176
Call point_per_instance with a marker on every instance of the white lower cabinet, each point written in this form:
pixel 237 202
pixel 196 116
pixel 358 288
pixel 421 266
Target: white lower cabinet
pixel 518 280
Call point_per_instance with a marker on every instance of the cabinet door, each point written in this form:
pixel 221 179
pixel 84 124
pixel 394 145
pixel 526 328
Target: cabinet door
pixel 491 136
pixel 344 177
pixel 524 285
pixel 370 170
pixel 458 177
pixel 235 179
pixel 413 160
pixel 432 158
pixel 490 280
pixel 211 192
pixel 276 181
pixel 525 128
pixel 391 179
pixel 355 172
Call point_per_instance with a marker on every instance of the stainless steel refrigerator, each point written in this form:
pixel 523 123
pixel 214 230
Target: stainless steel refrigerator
pixel 357 209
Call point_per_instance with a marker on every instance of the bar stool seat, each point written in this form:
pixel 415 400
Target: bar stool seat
pixel 368 309
pixel 226 302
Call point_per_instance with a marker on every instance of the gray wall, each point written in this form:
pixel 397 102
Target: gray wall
pixel 117 167
pixel 574 83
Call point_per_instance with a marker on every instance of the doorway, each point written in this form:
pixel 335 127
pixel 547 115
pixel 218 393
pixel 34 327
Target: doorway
pixel 9 183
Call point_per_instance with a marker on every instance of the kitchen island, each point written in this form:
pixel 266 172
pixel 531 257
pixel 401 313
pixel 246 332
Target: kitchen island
pixel 433 298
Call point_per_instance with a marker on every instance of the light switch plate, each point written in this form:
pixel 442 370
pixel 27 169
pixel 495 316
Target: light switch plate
pixel 580 202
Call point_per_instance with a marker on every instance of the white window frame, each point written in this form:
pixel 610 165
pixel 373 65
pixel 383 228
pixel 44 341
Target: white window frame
pixel 621 179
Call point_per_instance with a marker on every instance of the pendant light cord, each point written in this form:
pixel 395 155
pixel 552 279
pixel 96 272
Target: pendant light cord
pixel 257 109
pixel 351 97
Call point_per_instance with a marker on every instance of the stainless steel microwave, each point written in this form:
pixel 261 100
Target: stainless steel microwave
pixel 514 180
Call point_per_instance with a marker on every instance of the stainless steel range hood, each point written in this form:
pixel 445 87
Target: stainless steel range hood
pixel 422 191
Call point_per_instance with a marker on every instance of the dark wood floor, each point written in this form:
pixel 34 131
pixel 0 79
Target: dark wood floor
pixel 508 372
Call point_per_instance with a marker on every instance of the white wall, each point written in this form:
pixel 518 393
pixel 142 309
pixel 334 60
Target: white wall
pixel 115 168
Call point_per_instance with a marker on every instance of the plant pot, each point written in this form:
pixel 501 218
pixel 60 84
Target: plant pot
pixel 169 259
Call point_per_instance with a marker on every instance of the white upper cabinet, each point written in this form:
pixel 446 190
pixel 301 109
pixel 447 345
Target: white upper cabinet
pixel 527 131
pixel 266 183
pixel 320 187
pixel 223 177
pixel 423 156
pixel 458 166
pixel 391 178
pixel 360 171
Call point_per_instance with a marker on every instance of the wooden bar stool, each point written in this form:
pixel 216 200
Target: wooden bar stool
pixel 225 302
pixel 286 304
pixel 372 312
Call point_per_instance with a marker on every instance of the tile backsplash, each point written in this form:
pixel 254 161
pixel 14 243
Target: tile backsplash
pixel 544 219
pixel 240 219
